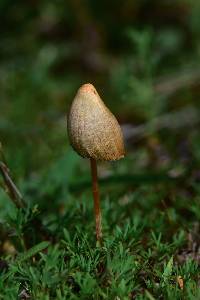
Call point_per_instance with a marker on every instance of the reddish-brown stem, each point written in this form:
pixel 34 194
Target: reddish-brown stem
pixel 95 190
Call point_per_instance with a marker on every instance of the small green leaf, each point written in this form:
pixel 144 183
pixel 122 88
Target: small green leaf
pixel 149 295
pixel 33 251
pixel 168 270
pixel 24 256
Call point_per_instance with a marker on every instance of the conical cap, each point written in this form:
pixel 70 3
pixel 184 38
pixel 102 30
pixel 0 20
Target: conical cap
pixel 93 130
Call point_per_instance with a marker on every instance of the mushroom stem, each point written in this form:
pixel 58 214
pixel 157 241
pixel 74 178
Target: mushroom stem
pixel 95 189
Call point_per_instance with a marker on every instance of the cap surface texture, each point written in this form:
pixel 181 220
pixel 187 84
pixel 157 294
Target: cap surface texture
pixel 93 130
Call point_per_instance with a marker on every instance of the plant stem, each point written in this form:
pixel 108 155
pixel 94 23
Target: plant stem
pixel 95 190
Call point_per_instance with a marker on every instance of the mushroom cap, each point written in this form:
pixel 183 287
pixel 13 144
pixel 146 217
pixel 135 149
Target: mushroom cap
pixel 93 130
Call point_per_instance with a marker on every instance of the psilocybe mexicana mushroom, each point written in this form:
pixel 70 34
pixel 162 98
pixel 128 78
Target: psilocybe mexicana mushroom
pixel 94 133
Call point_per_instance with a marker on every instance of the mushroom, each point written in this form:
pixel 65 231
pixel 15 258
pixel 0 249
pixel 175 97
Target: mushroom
pixel 94 133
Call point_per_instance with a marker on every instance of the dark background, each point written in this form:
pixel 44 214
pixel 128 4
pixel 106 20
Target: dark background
pixel 142 56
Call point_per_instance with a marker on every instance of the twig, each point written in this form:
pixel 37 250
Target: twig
pixel 12 190
pixel 169 85
pixel 185 117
